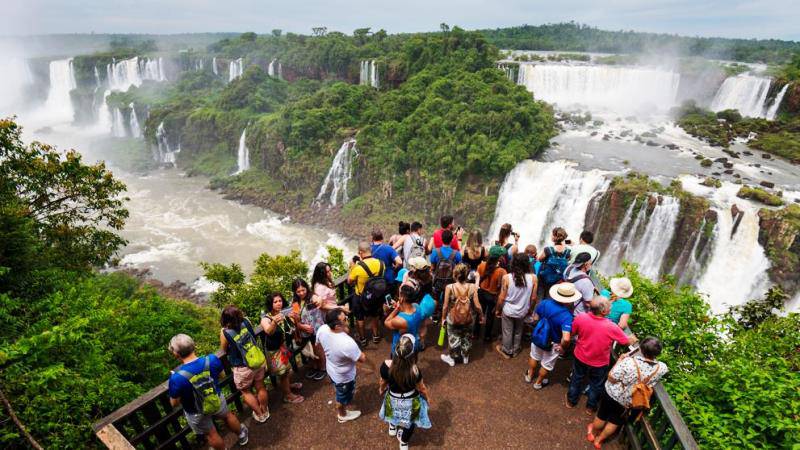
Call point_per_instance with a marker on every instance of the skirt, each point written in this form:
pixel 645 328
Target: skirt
pixel 404 411
pixel 278 361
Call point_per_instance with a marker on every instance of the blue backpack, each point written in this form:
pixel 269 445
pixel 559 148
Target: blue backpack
pixel 541 336
pixel 553 268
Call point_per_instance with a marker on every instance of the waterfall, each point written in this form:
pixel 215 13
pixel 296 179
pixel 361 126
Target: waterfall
pixel 243 155
pixel 117 124
pixel 649 250
pixel 152 69
pixel 773 108
pixel 17 77
pixel 368 74
pixel 745 93
pixel 199 65
pixel 132 72
pixel 612 257
pixel 214 65
pixel 235 69
pixel 97 82
pixel 58 105
pixel 620 89
pixel 687 272
pixel 136 131
pixel 104 119
pixel 271 68
pixel 165 154
pixel 339 174
pixel 538 196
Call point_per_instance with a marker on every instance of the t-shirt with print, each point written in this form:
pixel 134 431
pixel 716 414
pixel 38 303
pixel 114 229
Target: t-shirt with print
pixel 492 284
pixel 595 337
pixel 359 275
pixel 558 316
pixel 387 254
pixel 619 307
pixel 446 251
pixel 341 354
pixel 437 240
pixel 311 316
pixel 625 372
pixel 180 387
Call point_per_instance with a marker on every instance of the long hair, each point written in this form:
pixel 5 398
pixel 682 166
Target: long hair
pixel 491 266
pixel 559 235
pixel 520 266
pixel 505 232
pixel 270 298
pixel 474 243
pixel 404 370
pixel 320 275
pixel 231 318
pixel 296 284
pixel 461 272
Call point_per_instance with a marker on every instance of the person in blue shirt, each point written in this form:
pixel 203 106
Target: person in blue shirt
pixel 621 308
pixel 181 392
pixel 536 265
pixel 407 316
pixel 387 254
pixel 557 310
pixel 445 250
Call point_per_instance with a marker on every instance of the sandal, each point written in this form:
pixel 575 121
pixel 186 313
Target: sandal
pixel 295 399
pixel 545 382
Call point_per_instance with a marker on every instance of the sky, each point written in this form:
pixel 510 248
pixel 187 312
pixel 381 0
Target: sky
pixel 726 18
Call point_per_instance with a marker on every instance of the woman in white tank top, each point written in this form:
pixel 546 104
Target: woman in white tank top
pixel 517 295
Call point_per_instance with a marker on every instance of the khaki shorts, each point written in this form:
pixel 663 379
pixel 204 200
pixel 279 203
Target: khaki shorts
pixel 547 358
pixel 202 424
pixel 244 377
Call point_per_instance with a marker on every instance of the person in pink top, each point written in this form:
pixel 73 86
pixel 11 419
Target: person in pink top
pixel 322 285
pixel 596 334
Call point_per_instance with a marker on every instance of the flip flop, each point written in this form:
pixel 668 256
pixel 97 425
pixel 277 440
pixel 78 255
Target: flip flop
pixel 589 434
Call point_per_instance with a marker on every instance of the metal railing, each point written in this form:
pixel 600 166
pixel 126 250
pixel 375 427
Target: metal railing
pixel 662 428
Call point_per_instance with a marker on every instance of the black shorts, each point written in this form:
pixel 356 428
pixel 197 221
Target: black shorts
pixel 610 410
pixel 362 311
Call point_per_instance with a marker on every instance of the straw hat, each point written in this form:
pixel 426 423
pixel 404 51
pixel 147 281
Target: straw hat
pixel 621 287
pixel 418 263
pixel 564 293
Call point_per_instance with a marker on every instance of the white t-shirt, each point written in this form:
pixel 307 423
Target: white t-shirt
pixel 576 250
pixel 341 354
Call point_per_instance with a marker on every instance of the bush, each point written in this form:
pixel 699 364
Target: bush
pixel 758 194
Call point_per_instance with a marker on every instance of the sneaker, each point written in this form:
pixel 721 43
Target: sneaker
pixel 499 349
pixel 403 445
pixel 320 375
pixel 349 415
pixel 527 377
pixel 392 430
pixel 545 382
pixel 363 342
pixel 244 435
pixel 448 360
pixel 465 359
pixel 311 373
pixel 376 339
pixel 261 419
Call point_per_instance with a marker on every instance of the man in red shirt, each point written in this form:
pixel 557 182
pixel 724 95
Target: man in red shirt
pixel 596 334
pixel 436 240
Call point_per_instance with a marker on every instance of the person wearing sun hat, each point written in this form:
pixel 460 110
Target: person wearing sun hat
pixel 621 308
pixel 556 309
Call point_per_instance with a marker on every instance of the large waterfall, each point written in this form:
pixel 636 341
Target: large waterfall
pixel 235 69
pixel 58 105
pixel 369 73
pixel 773 109
pixel 166 155
pixel 335 183
pixel 620 89
pixel 243 155
pixel 136 131
pixel 121 75
pixel 118 124
pixel 745 93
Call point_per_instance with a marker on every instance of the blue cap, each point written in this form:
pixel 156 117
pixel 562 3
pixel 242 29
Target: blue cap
pixel 401 274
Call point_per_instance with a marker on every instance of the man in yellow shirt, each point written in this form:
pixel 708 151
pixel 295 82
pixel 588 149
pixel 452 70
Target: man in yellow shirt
pixel 359 276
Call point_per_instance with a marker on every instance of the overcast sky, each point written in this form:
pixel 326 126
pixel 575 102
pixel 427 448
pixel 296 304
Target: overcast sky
pixel 728 18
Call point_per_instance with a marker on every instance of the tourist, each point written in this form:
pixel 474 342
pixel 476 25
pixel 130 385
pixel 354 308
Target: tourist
pixel 414 244
pixel 398 240
pixel 323 287
pixel 532 253
pixel 489 278
pixel 341 355
pixel 460 306
pixel 621 308
pixel 387 255
pixel 577 273
pixel 443 260
pixel 200 406
pixel 406 400
pixel 278 328
pixel 585 245
pixel 420 272
pixel 474 253
pixel 554 259
pixel 446 250
pixel 615 403
pixel 237 339
pixel 503 243
pixel 311 318
pixel 594 336
pixel 446 223
pixel 366 307
pixel 407 316
pixel 556 309
pixel 517 294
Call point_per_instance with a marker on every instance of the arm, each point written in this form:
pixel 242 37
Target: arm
pixel 398 261
pixel 429 247
pixel 223 342
pixel 566 337
pixel 423 390
pixel 362 359
pixel 393 322
pixel 399 244
pixel 501 299
pixel 447 291
pixel 623 321
pixel 269 325
pixel 476 302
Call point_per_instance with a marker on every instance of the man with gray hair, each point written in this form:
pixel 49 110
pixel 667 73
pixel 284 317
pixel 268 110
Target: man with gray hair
pixel 595 336
pixel 194 386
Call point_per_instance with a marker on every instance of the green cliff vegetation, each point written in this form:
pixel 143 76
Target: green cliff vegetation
pixel 760 195
pixel 779 234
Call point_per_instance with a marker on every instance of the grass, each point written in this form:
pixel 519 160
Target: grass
pixel 760 195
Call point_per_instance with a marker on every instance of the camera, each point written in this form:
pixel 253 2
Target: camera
pixel 568 242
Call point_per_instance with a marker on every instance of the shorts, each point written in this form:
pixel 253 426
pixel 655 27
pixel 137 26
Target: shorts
pixel 201 423
pixel 610 410
pixel 361 311
pixel 345 392
pixel 244 377
pixel 547 358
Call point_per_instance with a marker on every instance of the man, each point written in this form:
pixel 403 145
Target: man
pixel 341 355
pixel 557 311
pixel 443 260
pixel 414 245
pixel 578 274
pixel 445 250
pixel 363 310
pixel 184 385
pixel 585 245
pixel 447 224
pixel 387 254
pixel 596 334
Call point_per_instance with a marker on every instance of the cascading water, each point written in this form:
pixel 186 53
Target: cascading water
pixel 243 155
pixel 619 89
pixel 687 272
pixel 773 108
pixel 271 68
pixel 105 122
pixel 58 106
pixel 165 154
pixel 152 69
pixel 117 124
pixel 235 69
pixel 121 75
pixel 335 183
pixel 97 81
pixel 369 73
pixel 17 77
pixel 136 131
pixel 214 66
pixel 748 95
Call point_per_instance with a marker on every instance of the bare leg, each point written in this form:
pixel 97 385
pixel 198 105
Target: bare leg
pixel 360 328
pixel 609 429
pixel 374 325
pixel 233 423
pixel 252 402
pixel 261 392
pixel 532 363
pixel 542 375
pixel 215 440
pixel 340 409
pixel 321 356
pixel 597 426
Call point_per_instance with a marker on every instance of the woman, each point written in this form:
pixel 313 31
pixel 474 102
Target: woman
pixel 474 254
pixel 488 279
pixel 420 272
pixel 322 283
pixel 398 240
pixel 278 328
pixel 621 308
pixel 548 273
pixel 460 304
pixel 504 241
pixel 408 317
pixel 406 398
pixel 236 335
pixel 306 306
pixel 517 295
pixel 639 366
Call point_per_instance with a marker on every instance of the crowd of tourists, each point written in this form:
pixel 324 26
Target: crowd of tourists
pixel 451 283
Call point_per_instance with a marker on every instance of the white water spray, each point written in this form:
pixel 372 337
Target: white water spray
pixel 58 106
pixel 243 155
pixel 369 73
pixel 335 183
pixel 235 69
pixel 745 93
pixel 136 130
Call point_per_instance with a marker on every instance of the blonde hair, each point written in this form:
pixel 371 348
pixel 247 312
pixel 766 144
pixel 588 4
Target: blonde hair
pixel 474 242
pixel 461 272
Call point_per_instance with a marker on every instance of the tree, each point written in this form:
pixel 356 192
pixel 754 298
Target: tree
pixel 277 32
pixel 249 36
pixel 361 35
pixel 319 31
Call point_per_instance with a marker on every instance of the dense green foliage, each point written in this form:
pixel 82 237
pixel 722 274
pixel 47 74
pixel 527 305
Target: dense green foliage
pixel 761 195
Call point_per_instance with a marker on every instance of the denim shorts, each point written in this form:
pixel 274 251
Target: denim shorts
pixel 345 392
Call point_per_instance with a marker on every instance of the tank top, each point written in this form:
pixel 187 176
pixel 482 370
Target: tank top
pixel 473 263
pixel 413 321
pixel 518 298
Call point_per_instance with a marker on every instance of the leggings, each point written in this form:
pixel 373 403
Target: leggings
pixel 405 433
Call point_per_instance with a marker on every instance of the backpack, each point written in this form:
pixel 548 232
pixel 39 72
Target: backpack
pixel 641 393
pixel 503 260
pixel 206 398
pixel 417 248
pixel 541 334
pixel 553 268
pixel 376 288
pixel 444 271
pixel 461 311
pixel 245 342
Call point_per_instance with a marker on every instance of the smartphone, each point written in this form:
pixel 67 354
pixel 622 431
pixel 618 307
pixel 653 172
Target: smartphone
pixel 568 241
pixel 356 259
pixel 388 300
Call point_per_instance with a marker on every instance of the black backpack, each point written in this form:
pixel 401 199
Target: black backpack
pixel 443 275
pixel 376 288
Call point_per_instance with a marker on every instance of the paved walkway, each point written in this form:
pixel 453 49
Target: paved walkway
pixel 485 404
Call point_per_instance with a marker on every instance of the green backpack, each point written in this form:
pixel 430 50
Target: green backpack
pixel 206 398
pixel 246 343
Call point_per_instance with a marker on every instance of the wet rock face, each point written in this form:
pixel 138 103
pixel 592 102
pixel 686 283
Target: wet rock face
pixel 779 234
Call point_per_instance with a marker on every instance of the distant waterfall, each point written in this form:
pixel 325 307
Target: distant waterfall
pixel 136 131
pixel 235 69
pixel 104 120
pixel 199 65
pixel 274 69
pixel 773 108
pixel 243 155
pixel 117 124
pixel 214 66
pixel 748 95
pixel 335 184
pixel 97 81
pixel 508 71
pixel 17 77
pixel 620 89
pixel 58 105
pixel 121 75
pixel 369 73
pixel 166 155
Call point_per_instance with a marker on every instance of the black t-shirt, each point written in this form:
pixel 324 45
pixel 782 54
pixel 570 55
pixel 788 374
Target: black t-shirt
pixel 473 263
pixel 274 341
pixel 393 386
